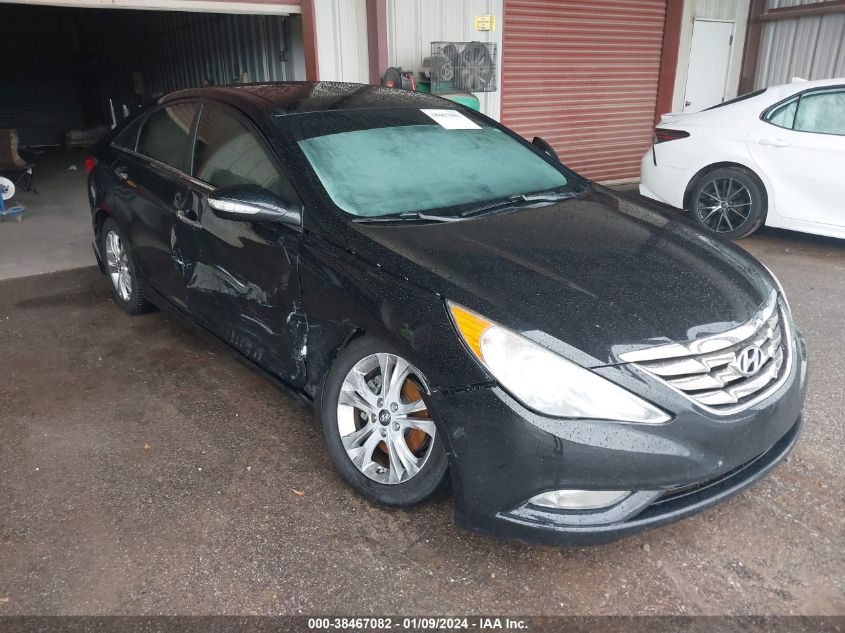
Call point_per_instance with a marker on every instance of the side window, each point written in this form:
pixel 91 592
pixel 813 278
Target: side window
pixel 822 112
pixel 228 153
pixel 784 114
pixel 128 137
pixel 166 134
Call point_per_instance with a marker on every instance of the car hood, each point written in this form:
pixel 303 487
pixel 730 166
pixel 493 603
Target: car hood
pixel 591 277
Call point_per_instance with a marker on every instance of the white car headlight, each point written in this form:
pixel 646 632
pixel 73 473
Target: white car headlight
pixel 545 381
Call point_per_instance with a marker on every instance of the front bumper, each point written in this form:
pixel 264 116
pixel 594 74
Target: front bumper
pixel 503 454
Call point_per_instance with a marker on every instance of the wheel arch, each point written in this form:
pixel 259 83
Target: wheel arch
pixel 701 173
pixel 100 217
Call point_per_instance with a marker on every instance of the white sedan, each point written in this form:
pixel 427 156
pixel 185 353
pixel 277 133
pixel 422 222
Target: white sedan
pixel 773 157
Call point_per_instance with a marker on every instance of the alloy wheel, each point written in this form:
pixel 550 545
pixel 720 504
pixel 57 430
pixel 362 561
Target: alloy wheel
pixel 117 261
pixel 382 419
pixel 723 205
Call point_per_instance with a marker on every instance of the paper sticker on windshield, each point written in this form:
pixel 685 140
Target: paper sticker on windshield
pixel 451 119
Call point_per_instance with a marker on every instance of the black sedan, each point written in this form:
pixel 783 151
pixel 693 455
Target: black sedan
pixel 458 307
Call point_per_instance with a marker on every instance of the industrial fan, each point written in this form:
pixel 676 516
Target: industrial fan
pixel 469 66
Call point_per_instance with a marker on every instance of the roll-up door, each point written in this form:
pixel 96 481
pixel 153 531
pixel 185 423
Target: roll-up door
pixel 583 75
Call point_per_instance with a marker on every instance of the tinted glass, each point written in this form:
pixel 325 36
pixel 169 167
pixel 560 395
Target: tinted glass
pixel 822 112
pixel 228 153
pixel 128 137
pixel 166 134
pixel 784 114
pixel 382 162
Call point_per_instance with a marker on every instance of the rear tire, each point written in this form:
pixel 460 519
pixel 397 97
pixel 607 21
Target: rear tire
pixel 380 435
pixel 127 283
pixel 729 202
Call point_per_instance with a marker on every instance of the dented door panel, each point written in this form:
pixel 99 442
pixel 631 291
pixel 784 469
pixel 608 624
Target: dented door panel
pixel 244 287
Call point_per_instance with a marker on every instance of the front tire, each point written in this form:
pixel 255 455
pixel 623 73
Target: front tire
pixel 729 202
pixel 126 280
pixel 377 425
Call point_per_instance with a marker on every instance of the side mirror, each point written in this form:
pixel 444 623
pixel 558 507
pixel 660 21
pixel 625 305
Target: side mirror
pixel 544 146
pixel 251 203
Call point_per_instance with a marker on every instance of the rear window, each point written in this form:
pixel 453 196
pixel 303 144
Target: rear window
pixel 166 134
pixel 822 112
pixel 784 114
pixel 383 162
pixel 819 111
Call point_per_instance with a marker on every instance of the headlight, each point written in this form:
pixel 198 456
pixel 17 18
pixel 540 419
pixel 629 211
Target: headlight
pixel 545 381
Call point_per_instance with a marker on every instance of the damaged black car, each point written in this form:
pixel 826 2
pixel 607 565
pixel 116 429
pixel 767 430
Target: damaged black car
pixel 462 311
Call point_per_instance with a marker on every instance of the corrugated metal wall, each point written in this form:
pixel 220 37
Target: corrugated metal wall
pixel 187 50
pixel 62 65
pixel 39 93
pixel 583 75
pixel 342 50
pixel 811 47
pixel 177 50
pixel 413 24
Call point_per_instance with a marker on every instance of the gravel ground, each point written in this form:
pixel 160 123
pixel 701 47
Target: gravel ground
pixel 143 471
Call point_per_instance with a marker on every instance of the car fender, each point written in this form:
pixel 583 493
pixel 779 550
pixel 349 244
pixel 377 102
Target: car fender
pixel 344 296
pixel 728 159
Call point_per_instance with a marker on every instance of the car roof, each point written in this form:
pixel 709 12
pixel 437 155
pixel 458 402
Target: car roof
pixel 293 97
pixel 784 90
pixel 751 105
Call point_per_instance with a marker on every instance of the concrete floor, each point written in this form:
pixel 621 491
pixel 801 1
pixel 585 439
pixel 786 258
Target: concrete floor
pixel 144 471
pixel 55 233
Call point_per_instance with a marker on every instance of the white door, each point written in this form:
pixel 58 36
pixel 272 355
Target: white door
pixel 710 56
pixel 800 147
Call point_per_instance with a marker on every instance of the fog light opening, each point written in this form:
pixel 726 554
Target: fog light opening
pixel 579 499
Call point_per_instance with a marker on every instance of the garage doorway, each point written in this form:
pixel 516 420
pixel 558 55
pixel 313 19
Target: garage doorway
pixel 710 57
pixel 70 73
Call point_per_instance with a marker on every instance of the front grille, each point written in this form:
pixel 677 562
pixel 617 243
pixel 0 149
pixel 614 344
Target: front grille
pixel 711 371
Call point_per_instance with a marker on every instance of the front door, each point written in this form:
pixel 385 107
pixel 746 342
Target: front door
pixel 710 55
pixel 244 286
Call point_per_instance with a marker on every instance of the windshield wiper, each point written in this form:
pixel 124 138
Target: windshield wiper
pixel 549 196
pixel 409 215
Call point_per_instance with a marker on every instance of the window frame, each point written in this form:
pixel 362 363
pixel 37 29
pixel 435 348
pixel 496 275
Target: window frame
pixel 191 132
pixel 253 129
pixel 149 159
pixel 138 120
pixel 800 95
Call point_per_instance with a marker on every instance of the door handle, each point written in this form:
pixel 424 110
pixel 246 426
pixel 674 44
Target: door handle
pixel 773 142
pixel 120 172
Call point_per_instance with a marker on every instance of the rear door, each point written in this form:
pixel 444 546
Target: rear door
pixel 156 187
pixel 245 285
pixel 800 146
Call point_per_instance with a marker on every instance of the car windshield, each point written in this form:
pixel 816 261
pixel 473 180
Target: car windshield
pixel 383 162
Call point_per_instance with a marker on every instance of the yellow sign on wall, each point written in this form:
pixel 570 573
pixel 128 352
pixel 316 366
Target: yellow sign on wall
pixel 485 23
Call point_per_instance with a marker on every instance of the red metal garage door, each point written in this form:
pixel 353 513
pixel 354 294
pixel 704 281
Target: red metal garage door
pixel 583 75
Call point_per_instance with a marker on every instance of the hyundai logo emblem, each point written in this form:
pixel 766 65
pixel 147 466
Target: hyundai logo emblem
pixel 749 361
